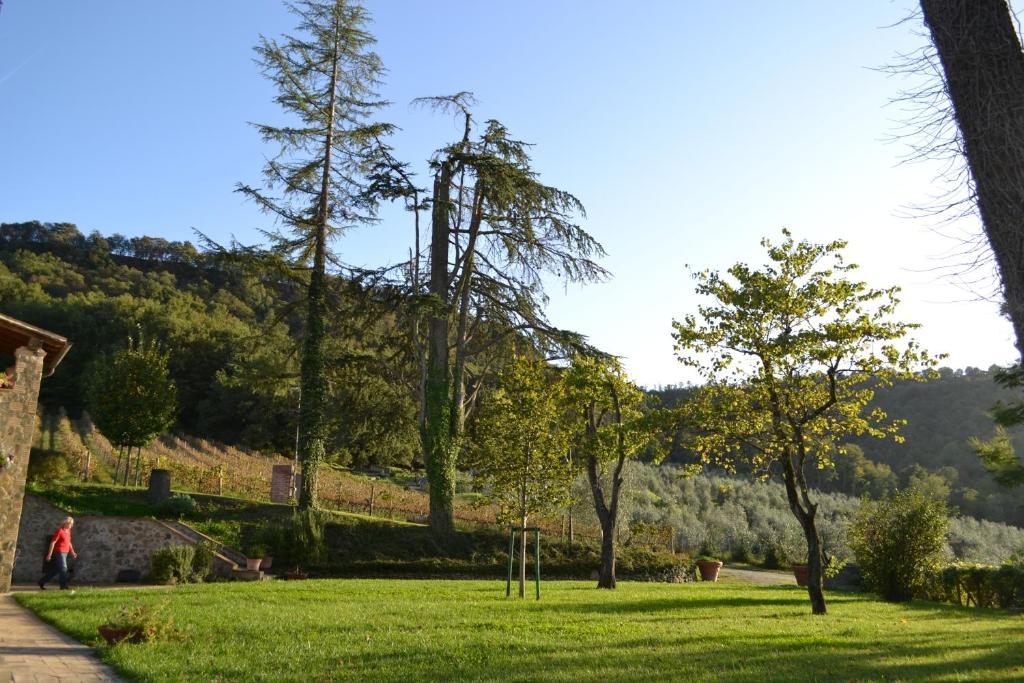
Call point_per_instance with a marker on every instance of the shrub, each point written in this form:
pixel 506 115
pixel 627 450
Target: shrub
pixel 899 542
pixel 178 505
pixel 172 564
pixel 771 557
pixel 307 538
pixel 145 622
pixel 978 585
pixel 202 562
pixel 45 467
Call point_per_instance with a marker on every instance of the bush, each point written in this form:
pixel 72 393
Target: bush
pixel 180 564
pixel 178 505
pixel 978 585
pixel 145 622
pixel 306 536
pixel 45 467
pixel 771 557
pixel 899 542
pixel 202 562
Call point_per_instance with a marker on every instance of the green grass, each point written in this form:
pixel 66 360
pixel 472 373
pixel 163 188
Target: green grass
pixel 467 630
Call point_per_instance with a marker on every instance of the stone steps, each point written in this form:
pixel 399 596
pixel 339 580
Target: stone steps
pixel 229 554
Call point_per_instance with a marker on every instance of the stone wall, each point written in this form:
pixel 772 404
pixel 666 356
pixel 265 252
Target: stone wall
pixel 17 428
pixel 105 545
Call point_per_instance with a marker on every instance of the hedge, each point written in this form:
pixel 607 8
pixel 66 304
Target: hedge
pixel 978 585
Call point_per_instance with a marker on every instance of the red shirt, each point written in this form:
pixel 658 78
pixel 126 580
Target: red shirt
pixel 62 540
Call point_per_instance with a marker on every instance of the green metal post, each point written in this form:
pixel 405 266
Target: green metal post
pixel 511 555
pixel 536 555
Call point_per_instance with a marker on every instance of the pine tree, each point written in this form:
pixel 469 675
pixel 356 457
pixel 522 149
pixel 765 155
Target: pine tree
pixel 326 78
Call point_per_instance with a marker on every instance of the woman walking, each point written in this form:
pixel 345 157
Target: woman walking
pixel 60 544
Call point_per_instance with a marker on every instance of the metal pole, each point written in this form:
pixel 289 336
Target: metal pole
pixel 511 554
pixel 536 556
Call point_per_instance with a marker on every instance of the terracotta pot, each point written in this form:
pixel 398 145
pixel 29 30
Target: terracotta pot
pixel 801 572
pixel 253 563
pixel 113 634
pixel 708 569
pixel 296 575
pixel 268 562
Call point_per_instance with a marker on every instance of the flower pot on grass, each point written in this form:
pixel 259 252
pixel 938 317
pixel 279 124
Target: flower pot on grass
pixel 295 575
pixel 801 572
pixel 708 568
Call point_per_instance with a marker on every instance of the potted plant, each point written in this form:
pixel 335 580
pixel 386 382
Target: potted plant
pixel 254 554
pixel 801 572
pixel 708 567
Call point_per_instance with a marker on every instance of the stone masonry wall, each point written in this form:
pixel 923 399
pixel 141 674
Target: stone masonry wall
pixel 17 428
pixel 105 545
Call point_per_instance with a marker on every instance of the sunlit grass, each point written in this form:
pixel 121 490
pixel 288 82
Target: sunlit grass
pixel 468 630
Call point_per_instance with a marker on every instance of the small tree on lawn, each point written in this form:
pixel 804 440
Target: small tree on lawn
pixel 791 355
pixel 520 446
pixel 132 400
pixel 611 428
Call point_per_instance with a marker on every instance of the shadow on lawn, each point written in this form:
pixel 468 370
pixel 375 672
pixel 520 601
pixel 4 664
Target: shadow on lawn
pixel 687 656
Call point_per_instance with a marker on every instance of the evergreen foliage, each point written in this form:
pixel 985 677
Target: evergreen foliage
pixel 325 76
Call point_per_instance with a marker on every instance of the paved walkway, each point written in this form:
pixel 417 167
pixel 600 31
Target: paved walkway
pixel 31 651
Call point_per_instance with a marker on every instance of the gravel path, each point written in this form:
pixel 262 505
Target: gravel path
pixel 759 576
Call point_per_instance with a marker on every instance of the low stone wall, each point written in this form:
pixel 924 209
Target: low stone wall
pixel 105 545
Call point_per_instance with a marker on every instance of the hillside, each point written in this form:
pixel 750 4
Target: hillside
pixel 730 516
pixel 232 336
pixel 941 415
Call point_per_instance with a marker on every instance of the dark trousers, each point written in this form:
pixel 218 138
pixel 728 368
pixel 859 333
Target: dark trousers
pixel 59 565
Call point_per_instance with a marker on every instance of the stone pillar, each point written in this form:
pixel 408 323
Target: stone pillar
pixel 17 427
pixel 159 486
pixel 281 484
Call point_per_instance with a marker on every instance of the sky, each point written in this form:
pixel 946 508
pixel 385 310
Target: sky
pixel 690 129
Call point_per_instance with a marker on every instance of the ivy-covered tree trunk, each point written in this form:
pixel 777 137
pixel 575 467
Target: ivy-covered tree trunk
pixel 312 424
pixel 981 57
pixel 311 417
pixel 440 437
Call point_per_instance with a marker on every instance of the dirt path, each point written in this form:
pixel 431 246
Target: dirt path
pixel 759 576
pixel 33 651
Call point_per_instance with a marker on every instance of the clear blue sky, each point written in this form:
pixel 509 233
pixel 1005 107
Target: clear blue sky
pixel 689 129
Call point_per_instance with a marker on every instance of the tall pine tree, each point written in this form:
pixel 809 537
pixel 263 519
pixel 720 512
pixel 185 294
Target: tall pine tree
pixel 317 186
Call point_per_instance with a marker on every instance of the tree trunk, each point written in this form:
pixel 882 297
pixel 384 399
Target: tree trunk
pixel 815 566
pixel 522 560
pixel 606 577
pixel 138 466
pixel 117 466
pixel 981 57
pixel 805 512
pixel 312 446
pixel 440 447
pixel 127 466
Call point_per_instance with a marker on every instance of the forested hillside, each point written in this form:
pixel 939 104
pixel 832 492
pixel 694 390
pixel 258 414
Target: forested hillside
pixel 942 414
pixel 231 336
pixel 228 327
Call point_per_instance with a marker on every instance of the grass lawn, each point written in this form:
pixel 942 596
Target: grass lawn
pixel 371 630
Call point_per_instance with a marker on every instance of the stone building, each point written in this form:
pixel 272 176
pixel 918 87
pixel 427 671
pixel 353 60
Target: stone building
pixel 35 353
